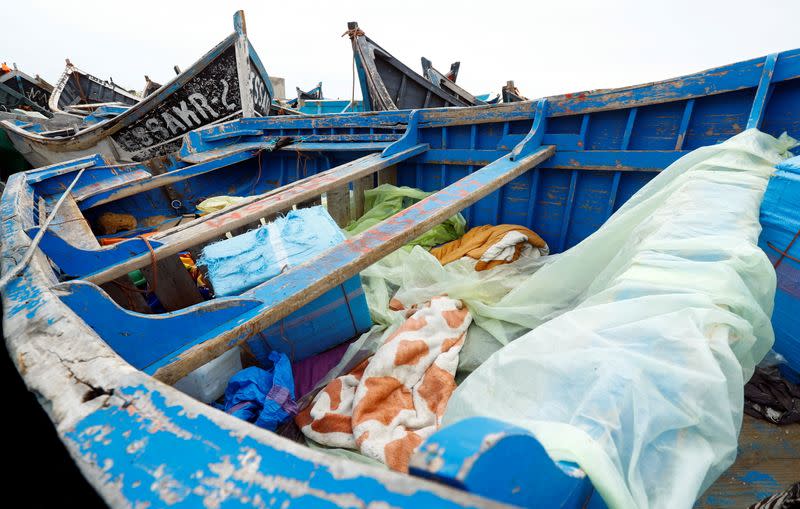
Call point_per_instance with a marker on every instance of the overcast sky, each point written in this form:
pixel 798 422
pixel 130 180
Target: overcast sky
pixel 547 47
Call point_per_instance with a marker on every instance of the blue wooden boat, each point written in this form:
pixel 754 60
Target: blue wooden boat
pixel 326 106
pixel 313 103
pixel 227 82
pixel 101 362
pixel 314 93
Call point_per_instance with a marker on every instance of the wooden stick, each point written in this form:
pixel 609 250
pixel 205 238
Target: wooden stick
pixel 215 225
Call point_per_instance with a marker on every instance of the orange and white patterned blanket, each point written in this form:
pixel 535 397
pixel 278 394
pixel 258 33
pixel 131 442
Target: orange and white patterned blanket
pixel 387 405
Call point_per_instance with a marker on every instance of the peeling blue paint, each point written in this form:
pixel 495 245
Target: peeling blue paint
pixel 154 452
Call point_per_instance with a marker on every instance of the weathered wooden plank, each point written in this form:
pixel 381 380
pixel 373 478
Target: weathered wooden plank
pixel 213 225
pixel 163 180
pixel 73 227
pixel 172 284
pixel 87 387
pixel 388 176
pixel 338 203
pixel 768 461
pixel 360 186
pixel 300 285
pixel 123 292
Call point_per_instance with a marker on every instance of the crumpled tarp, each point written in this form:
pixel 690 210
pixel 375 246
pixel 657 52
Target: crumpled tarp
pixel 263 397
pixel 238 264
pixel 644 333
pixel 387 200
pixel 780 219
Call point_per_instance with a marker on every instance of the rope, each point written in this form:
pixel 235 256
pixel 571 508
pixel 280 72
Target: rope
pixel 153 264
pixel 258 176
pixel 353 84
pixel 353 33
pixel 785 252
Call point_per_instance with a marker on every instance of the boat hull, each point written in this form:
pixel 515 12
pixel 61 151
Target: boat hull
pixel 227 81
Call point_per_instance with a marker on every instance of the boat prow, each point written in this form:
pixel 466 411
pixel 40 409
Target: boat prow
pixel 227 82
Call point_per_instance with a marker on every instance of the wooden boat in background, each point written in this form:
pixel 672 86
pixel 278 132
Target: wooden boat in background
pixel 560 166
pixel 313 94
pixel 448 84
pixel 328 106
pixel 151 86
pixel 228 82
pixel 388 84
pixel 19 90
pixel 78 92
pixel 510 93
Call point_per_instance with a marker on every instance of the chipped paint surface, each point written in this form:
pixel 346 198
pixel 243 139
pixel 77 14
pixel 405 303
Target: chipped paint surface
pixel 154 452
pixel 142 443
pixel 206 93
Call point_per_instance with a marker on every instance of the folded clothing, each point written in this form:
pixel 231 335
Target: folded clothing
pixel 263 397
pixel 391 402
pixel 387 200
pixel 492 246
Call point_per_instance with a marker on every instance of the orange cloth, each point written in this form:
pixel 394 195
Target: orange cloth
pixel 476 241
pixel 4 68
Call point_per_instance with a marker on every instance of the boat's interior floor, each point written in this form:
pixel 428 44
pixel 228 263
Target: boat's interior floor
pixel 766 463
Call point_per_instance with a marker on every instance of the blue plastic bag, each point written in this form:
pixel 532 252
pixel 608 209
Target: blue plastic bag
pixel 263 397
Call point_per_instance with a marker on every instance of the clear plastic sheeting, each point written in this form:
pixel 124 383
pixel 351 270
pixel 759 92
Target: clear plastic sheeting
pixel 644 334
pixel 416 276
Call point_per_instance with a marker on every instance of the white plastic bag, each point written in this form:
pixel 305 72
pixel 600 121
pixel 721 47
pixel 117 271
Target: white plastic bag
pixel 644 333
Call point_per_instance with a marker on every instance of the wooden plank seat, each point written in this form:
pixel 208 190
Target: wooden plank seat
pixel 121 258
pixel 179 342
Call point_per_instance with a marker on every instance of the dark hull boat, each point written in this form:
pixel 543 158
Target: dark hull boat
pixel 228 82
pixel 447 84
pixel 18 90
pixel 101 359
pixel 388 84
pixel 510 93
pixel 315 94
pixel 79 92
